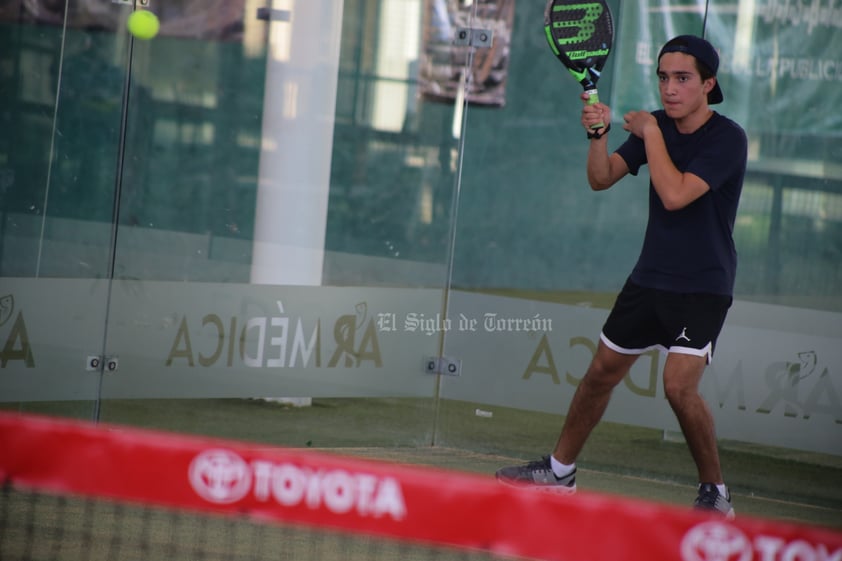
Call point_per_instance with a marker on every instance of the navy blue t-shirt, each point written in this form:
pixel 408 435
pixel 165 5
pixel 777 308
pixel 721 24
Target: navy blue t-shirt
pixel 692 249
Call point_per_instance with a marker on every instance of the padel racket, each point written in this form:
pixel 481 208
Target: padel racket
pixel 581 35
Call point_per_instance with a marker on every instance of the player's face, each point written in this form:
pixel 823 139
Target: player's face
pixel 683 93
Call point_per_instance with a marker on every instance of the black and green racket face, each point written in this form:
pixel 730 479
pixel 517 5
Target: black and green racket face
pixel 580 34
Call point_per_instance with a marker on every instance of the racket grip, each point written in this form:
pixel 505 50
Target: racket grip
pixel 593 98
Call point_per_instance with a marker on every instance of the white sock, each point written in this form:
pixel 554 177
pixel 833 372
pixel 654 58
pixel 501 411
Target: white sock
pixel 723 490
pixel 560 469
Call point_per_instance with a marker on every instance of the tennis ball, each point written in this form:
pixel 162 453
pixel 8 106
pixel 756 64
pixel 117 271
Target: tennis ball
pixel 143 24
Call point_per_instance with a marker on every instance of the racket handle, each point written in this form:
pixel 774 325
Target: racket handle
pixel 593 98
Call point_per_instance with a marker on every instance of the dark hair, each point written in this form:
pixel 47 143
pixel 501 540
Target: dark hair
pixel 701 67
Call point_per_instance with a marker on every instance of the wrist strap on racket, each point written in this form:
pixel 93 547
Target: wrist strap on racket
pixel 598 135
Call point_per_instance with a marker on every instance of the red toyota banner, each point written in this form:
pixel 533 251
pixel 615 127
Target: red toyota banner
pixel 416 504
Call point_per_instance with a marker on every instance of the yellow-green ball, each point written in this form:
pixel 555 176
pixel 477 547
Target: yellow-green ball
pixel 143 24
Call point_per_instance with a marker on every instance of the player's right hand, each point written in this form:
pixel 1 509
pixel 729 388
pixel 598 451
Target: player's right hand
pixel 593 114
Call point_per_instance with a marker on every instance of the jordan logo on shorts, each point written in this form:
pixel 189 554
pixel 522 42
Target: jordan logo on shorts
pixel 683 335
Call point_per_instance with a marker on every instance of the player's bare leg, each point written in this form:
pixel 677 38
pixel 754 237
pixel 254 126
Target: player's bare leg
pixel 682 374
pixel 606 370
pixel 589 402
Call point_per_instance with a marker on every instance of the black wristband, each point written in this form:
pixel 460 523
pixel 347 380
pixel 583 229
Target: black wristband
pixel 596 135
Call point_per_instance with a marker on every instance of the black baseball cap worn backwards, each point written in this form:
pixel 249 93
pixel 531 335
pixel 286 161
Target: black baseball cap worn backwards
pixel 704 53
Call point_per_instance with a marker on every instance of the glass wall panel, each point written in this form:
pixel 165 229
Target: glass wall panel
pixel 285 217
pixel 62 84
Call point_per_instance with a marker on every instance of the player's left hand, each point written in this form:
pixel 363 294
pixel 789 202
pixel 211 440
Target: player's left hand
pixel 636 122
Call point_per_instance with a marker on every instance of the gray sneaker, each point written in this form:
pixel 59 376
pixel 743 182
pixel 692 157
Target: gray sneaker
pixel 538 475
pixel 711 499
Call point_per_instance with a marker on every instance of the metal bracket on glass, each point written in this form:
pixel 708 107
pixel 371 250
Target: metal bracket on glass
pixel 469 37
pixel 443 365
pixel 107 364
pixel 268 14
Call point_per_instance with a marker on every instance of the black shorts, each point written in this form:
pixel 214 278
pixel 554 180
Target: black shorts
pixel 647 318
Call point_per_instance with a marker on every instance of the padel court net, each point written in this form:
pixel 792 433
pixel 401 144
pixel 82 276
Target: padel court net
pixel 78 491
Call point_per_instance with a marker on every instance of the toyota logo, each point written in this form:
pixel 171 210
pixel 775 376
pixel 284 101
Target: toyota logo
pixel 220 476
pixel 715 541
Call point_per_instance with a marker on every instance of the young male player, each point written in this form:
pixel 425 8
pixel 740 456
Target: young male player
pixel 679 292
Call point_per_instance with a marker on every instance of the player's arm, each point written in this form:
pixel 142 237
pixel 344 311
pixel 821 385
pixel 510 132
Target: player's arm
pixel 675 189
pixel 604 169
